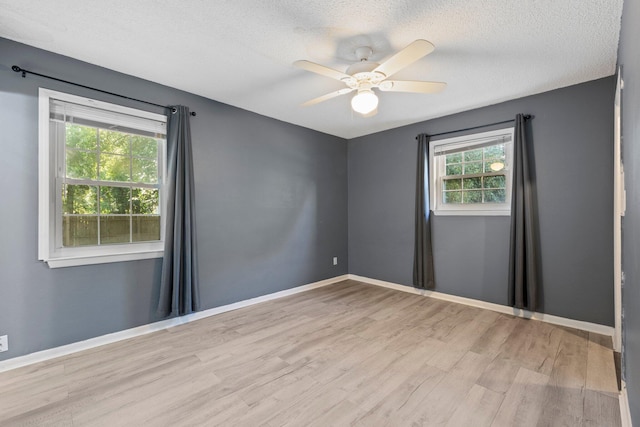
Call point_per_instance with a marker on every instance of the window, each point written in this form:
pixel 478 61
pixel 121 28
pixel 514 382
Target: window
pixel 471 175
pixel 101 181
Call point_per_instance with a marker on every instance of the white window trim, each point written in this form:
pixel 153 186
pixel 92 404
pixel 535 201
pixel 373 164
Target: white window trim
pixel 67 257
pixel 478 209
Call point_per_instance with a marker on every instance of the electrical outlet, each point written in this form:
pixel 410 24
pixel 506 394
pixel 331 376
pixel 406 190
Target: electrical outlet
pixel 4 343
pixel 335 260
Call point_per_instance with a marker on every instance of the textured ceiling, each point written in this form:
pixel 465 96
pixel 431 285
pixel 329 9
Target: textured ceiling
pixel 240 52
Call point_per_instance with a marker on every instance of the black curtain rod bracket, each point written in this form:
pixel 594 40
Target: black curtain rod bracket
pixel 526 117
pixel 25 72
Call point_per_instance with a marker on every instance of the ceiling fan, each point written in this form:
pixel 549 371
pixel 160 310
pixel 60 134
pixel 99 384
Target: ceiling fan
pixel 364 76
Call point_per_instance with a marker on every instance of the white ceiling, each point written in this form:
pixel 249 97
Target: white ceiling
pixel 240 52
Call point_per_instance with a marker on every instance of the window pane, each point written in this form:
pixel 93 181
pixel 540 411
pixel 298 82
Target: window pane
pixel 81 164
pixel 471 183
pixel 454 170
pixel 142 146
pixel 472 172
pixel 473 196
pixel 452 197
pixel 472 155
pixel 114 229
pixel 452 184
pixel 475 167
pixel 79 230
pixel 79 199
pixel 494 152
pixel 454 158
pixel 114 167
pixel 96 152
pixel 83 137
pixel 114 200
pixel 495 196
pixel 498 181
pixel 114 142
pixel 144 170
pixel 146 228
pixel 145 200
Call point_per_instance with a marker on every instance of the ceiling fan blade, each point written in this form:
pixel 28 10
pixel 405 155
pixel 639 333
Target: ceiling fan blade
pixel 327 96
pixel 321 69
pixel 412 86
pixel 406 56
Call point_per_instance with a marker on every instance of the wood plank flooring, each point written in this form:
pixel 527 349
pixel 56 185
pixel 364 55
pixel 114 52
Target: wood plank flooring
pixel 348 354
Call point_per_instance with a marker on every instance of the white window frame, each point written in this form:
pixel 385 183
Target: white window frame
pixel 51 251
pixel 468 142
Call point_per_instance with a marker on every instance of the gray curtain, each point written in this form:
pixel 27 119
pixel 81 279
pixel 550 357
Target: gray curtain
pixel 523 253
pixel 179 283
pixel 423 276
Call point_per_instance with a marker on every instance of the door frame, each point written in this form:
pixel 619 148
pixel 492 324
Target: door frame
pixel 619 203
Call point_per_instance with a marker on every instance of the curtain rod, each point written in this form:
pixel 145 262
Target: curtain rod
pixel 25 72
pixel 526 117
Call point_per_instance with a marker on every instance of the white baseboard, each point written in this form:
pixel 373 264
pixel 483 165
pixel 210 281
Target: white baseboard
pixel 625 409
pixel 64 350
pixel 549 318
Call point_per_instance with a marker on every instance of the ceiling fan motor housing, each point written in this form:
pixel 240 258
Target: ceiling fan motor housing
pixel 362 72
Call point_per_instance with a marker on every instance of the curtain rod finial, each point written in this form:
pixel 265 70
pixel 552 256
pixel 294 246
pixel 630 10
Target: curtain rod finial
pixel 18 69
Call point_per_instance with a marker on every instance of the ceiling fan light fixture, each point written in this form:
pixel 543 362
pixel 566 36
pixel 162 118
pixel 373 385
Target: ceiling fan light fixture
pixel 364 102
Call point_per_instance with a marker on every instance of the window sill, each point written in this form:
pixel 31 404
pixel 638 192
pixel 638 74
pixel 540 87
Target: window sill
pixel 101 259
pixel 472 212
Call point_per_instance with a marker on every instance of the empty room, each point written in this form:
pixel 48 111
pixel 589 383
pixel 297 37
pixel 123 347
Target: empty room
pixel 305 213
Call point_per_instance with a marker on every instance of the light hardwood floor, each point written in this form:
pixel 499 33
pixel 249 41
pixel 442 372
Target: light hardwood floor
pixel 346 354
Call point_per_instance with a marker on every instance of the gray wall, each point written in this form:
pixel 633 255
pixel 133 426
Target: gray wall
pixel 271 210
pixel 572 146
pixel 630 61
